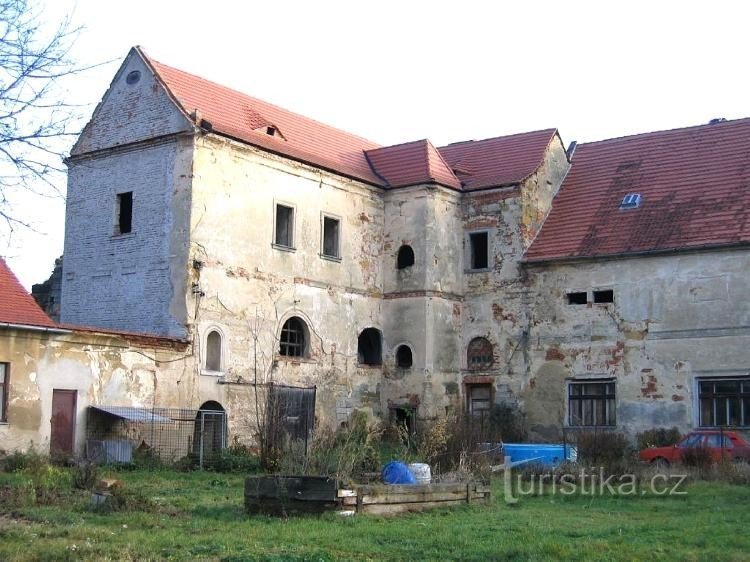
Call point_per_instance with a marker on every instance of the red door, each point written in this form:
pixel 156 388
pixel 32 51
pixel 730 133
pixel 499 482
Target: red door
pixel 63 423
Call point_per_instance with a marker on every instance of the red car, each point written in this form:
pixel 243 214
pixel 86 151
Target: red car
pixel 721 444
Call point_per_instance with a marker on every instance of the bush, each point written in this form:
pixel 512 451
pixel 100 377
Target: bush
pixel 657 437
pixel 21 460
pixel 228 460
pixel 607 449
pixel 698 457
pixel 85 475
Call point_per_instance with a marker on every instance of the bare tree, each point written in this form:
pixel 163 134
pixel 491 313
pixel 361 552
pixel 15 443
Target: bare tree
pixel 36 125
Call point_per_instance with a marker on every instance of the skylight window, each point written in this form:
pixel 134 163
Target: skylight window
pixel 631 201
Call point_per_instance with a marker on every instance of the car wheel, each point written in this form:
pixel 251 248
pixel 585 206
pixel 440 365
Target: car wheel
pixel 660 462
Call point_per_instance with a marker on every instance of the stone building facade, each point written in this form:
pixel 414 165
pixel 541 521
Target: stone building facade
pixel 407 280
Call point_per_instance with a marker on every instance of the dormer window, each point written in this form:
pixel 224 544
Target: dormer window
pixel 271 131
pixel 631 201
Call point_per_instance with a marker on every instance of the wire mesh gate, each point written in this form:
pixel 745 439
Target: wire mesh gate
pixel 122 435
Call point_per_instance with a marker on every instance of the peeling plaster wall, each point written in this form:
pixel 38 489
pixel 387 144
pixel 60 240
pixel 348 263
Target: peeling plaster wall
pixel 675 318
pixel 102 369
pixel 250 288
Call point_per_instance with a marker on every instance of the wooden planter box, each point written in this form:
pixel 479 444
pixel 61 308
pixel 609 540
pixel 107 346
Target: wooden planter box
pixel 288 495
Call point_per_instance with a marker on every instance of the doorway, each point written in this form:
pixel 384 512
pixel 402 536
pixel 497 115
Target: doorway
pixel 63 423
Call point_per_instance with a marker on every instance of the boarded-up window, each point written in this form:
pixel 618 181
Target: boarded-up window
pixel 591 403
pixel 213 351
pixel 331 237
pixel 293 341
pixel 284 226
pixel 4 380
pixel 480 354
pixel 479 397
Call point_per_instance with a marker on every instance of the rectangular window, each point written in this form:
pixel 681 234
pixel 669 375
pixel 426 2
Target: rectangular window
pixel 124 213
pixel 4 379
pixel 331 237
pixel 479 398
pixel 604 296
pixel 724 402
pixel 591 403
pixel 479 242
pixel 284 226
pixel 578 298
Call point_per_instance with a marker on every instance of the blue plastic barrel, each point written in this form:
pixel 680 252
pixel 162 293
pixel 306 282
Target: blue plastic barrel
pixel 396 472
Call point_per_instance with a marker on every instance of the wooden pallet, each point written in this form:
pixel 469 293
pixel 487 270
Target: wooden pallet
pixel 288 495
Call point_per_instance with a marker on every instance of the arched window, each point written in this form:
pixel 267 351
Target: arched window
pixel 293 341
pixel 369 347
pixel 403 357
pixel 479 354
pixel 405 257
pixel 213 351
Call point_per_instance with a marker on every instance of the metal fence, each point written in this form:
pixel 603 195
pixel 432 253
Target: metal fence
pixel 123 435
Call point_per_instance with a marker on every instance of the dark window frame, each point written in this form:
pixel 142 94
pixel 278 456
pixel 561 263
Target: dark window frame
pixel 480 360
pixel 293 338
pixel 4 391
pixel 721 399
pixel 405 257
pixel 577 298
pixel 471 401
pixel 603 296
pixel 579 396
pixel 401 359
pixel 475 263
pixel 124 213
pixel 370 357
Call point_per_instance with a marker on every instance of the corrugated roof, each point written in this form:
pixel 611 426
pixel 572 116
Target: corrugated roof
pixel 16 305
pixel 140 415
pixel 412 163
pixel 498 161
pixel 694 185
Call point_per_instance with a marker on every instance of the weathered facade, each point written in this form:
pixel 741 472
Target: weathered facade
pixel 406 280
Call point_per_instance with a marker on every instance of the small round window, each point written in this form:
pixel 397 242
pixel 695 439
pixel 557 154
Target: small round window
pixel 133 77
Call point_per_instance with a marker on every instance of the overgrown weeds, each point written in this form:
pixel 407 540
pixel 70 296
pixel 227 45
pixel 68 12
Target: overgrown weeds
pixel 657 437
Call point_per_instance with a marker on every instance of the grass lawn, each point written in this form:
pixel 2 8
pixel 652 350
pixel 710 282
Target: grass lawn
pixel 200 516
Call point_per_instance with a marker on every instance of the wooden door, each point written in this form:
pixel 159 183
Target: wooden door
pixel 63 423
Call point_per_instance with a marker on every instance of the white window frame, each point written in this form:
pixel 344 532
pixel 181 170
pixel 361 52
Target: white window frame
pixel 323 217
pixel 293 230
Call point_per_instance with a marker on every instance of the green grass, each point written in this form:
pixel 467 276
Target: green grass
pixel 200 516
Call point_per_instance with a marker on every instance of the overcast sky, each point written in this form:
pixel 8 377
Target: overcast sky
pixel 406 70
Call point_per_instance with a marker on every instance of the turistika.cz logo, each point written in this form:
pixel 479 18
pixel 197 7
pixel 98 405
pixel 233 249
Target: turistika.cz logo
pixel 587 482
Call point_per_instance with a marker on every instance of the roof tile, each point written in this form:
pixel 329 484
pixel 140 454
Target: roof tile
pixel 16 305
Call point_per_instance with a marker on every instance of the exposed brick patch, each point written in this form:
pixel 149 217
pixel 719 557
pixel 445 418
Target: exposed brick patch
pixel 677 398
pixel 554 354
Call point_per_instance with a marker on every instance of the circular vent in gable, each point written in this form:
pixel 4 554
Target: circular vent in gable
pixel 133 77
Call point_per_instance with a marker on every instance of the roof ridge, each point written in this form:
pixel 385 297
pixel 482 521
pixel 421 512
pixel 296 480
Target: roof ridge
pixel 674 130
pixel 457 143
pixel 157 63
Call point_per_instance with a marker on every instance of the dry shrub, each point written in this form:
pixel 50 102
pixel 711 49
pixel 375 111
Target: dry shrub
pixel 698 458
pixel 345 454
pixel 657 437
pixel 607 449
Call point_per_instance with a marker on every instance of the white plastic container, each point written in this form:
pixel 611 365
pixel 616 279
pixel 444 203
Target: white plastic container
pixel 421 472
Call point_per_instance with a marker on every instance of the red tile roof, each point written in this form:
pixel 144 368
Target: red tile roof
pixel 487 163
pixel 498 161
pixel 245 118
pixel 695 190
pixel 16 305
pixel 412 163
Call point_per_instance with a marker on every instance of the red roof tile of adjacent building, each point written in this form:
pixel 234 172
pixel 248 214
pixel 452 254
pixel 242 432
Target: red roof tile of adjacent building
pixel 498 161
pixel 248 119
pixel 694 185
pixel 412 163
pixel 16 305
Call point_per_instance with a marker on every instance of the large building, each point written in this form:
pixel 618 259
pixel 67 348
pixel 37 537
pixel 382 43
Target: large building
pixel 600 286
